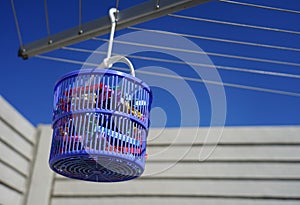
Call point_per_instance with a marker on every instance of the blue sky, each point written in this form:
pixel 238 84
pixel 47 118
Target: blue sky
pixel 28 85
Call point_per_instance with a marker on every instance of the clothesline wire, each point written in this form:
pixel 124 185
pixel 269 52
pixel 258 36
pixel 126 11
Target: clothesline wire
pixel 205 65
pixel 206 53
pixel 80 16
pixel 240 86
pixel 202 65
pixel 216 39
pixel 47 21
pixel 17 23
pixel 234 24
pixel 117 4
pixel 260 6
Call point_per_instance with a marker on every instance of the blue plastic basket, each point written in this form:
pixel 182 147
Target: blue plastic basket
pixel 100 126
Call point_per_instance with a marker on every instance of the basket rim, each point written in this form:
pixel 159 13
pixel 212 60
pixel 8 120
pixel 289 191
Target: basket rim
pixel 102 71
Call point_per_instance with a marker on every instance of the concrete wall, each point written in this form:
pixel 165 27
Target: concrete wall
pixel 249 165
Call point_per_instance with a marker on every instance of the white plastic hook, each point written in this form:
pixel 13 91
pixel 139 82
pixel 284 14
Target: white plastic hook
pixel 112 16
pixel 109 61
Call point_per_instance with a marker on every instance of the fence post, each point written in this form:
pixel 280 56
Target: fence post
pixel 41 177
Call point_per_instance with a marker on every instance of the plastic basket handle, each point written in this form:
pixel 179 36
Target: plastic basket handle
pixel 108 62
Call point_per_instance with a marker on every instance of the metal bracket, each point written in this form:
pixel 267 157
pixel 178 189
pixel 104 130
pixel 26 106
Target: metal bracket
pixel 137 14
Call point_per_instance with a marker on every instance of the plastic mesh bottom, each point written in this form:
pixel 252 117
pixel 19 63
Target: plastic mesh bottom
pixel 97 168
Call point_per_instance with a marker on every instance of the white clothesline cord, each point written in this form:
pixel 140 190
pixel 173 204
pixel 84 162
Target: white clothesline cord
pixel 261 6
pixel 180 62
pixel 246 87
pixel 235 24
pixel 235 56
pixel 216 39
pixel 190 63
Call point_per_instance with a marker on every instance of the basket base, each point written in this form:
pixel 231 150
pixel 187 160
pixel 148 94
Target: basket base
pixel 96 168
